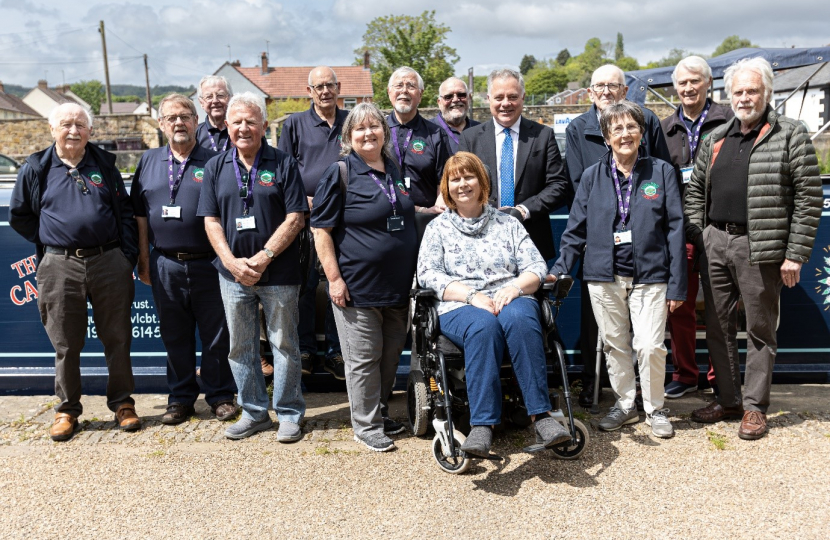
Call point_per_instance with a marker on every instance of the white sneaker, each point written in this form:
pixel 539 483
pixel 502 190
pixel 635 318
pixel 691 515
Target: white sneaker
pixel 660 425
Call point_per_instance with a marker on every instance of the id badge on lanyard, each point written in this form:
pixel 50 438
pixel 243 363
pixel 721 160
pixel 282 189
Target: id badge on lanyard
pixel 245 223
pixel 171 212
pixel 622 237
pixel 687 174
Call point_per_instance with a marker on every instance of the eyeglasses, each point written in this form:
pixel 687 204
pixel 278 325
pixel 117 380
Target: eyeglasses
pixel 600 87
pixel 171 118
pixel 221 96
pixel 631 128
pixel 79 180
pixel 400 86
pixel 330 86
pixel 459 95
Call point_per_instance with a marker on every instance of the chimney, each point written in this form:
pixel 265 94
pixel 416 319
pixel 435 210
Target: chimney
pixel 2 88
pixel 236 63
pixel 42 84
pixel 366 60
pixel 265 63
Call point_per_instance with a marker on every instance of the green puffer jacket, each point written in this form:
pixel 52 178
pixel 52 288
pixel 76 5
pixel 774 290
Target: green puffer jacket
pixel 784 194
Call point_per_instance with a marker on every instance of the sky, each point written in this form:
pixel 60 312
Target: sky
pixel 184 40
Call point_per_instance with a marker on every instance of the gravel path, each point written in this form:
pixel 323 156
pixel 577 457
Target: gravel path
pixel 189 481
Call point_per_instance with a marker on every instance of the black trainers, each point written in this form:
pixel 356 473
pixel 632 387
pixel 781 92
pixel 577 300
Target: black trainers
pixel 306 363
pixel 177 413
pixel 335 366
pixel 392 427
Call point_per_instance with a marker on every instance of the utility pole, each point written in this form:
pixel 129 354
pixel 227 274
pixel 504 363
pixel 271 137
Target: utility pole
pixel 470 88
pixel 147 81
pixel 106 66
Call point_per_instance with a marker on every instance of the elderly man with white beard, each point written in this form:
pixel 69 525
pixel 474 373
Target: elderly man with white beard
pixel 420 147
pixel 453 102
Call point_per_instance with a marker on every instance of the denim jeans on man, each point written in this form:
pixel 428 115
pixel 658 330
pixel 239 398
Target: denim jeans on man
pixel 279 304
pixel 485 338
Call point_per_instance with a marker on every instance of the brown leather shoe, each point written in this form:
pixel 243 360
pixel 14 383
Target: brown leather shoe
pixel 714 412
pixel 267 369
pixel 127 418
pixel 225 410
pixel 753 426
pixel 63 427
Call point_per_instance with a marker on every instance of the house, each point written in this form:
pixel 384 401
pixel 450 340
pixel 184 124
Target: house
pixel 43 99
pixel 13 108
pixel 280 83
pixel 812 108
pixel 571 96
pixel 128 108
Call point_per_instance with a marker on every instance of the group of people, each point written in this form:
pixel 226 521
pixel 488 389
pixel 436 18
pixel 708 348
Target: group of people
pixel 212 222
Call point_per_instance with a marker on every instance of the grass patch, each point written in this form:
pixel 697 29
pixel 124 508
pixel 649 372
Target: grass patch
pixel 20 420
pixel 157 453
pixel 824 162
pixel 322 451
pixel 583 416
pixel 718 440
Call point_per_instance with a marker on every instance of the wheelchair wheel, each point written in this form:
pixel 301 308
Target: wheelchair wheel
pixel 416 401
pixel 573 451
pixel 452 465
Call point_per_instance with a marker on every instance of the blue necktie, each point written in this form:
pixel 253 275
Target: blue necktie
pixel 506 172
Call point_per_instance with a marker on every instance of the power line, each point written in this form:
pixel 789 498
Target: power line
pixel 41 31
pixel 11 46
pixel 116 36
pixel 51 62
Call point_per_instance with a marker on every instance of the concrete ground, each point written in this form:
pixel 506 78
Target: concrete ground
pixel 189 481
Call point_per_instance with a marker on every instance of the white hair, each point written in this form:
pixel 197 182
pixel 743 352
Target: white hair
pixel 505 73
pixel 60 109
pixel 333 74
pixel 215 79
pixel 249 100
pixel 757 64
pixel 403 72
pixel 612 67
pixel 695 64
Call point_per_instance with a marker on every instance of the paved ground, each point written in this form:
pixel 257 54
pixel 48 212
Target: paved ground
pixel 189 481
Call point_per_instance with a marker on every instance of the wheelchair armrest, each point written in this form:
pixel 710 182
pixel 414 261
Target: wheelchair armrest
pixel 559 288
pixel 422 293
pixel 516 213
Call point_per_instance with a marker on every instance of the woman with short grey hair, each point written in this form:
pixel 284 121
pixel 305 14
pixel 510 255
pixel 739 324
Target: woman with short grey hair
pixel 364 231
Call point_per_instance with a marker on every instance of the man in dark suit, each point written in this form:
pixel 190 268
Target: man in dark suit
pixel 526 170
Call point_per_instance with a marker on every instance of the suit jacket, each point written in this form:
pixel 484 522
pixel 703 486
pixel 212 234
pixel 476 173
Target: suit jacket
pixel 541 184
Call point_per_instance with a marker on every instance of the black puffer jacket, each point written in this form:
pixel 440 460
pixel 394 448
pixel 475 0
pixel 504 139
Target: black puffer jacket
pixel 784 195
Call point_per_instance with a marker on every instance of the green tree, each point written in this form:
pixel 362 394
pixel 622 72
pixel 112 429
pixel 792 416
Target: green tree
pixel 626 63
pixel 282 107
pixel 402 40
pixel 90 91
pixel 675 55
pixel 730 44
pixel 563 57
pixel 619 50
pixel 545 80
pixel 527 63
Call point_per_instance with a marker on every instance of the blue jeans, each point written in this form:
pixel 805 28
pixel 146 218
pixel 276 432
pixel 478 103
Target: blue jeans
pixel 279 304
pixel 306 327
pixel 485 338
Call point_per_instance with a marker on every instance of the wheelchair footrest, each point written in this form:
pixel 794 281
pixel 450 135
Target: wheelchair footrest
pixel 533 448
pixel 491 457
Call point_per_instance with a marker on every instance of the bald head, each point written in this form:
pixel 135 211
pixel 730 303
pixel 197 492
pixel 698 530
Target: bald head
pixel 607 86
pixel 323 90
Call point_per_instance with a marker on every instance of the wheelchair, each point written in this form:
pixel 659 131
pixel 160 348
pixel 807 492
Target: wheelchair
pixel 437 393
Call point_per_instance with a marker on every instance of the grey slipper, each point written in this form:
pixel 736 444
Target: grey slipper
pixel 289 432
pixel 478 441
pixel 549 432
pixel 245 427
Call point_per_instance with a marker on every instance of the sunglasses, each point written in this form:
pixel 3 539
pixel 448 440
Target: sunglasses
pixel 79 180
pixel 459 95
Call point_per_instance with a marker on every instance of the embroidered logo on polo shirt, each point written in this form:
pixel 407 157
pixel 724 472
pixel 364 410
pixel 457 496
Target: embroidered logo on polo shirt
pixel 266 178
pixel 418 146
pixel 96 179
pixel 402 188
pixel 650 190
pixel 198 175
pixel 340 140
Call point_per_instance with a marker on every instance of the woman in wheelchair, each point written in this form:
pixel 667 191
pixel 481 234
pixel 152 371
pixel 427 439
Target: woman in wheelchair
pixel 484 269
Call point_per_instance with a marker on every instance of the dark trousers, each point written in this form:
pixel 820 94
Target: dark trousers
pixel 715 338
pixel 65 284
pixel 759 285
pixel 187 297
pixel 307 323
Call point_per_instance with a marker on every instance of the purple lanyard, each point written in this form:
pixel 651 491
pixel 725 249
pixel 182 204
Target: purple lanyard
pixel 694 138
pixel 624 204
pixel 248 191
pixel 213 143
pixel 174 184
pixel 391 195
pixel 447 129
pixel 405 144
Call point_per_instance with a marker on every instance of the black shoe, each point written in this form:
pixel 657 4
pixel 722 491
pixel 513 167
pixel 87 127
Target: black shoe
pixel 392 427
pixel 335 366
pixel 306 363
pixel 586 396
pixel 177 413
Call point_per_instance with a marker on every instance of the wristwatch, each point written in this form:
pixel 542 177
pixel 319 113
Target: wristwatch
pixel 271 255
pixel 470 296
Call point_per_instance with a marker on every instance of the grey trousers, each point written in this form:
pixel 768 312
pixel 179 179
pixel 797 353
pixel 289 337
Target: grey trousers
pixel 759 285
pixel 371 340
pixel 65 283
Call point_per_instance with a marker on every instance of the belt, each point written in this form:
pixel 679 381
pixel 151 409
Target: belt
pixel 185 256
pixel 83 252
pixel 730 228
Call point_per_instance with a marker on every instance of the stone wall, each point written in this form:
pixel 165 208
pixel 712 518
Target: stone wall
pixel 20 138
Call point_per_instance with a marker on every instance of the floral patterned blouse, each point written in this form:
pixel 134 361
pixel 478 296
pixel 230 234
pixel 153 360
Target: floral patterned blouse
pixel 485 253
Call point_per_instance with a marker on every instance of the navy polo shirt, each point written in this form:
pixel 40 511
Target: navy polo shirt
pixel 70 217
pixel 151 191
pixel 205 130
pixel 453 136
pixel 277 191
pixel 423 158
pixel 308 138
pixel 377 265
